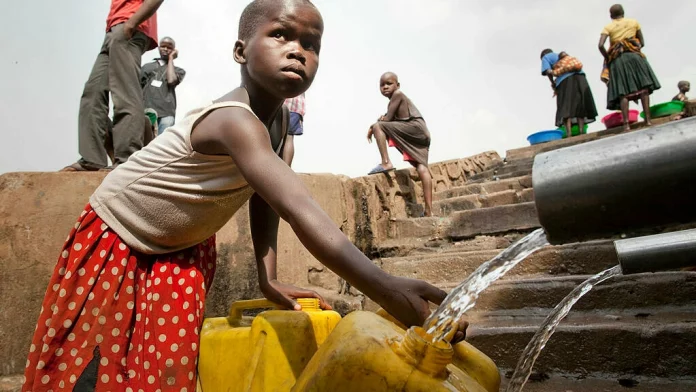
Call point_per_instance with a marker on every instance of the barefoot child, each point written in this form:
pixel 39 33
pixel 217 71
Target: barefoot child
pixel 404 127
pixel 124 306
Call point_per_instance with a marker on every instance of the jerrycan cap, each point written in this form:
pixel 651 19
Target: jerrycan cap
pixel 309 304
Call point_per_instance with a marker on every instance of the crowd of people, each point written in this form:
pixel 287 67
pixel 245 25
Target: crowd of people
pixel 125 302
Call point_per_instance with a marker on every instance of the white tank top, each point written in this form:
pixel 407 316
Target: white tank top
pixel 167 197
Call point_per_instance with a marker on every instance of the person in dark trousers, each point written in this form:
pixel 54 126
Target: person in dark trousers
pixel 159 80
pixel 131 29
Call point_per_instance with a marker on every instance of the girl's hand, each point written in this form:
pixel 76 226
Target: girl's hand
pixel 408 301
pixel 285 295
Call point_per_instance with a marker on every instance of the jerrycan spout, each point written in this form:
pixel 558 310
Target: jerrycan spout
pixel 309 304
pixel 418 350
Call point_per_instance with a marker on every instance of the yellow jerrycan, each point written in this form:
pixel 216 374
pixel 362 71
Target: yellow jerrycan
pixel 264 353
pixel 368 353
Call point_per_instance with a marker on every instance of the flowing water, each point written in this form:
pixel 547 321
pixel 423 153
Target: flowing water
pixel 533 349
pixel 464 296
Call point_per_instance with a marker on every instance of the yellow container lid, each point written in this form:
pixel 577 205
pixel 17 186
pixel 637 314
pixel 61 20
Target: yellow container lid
pixel 309 304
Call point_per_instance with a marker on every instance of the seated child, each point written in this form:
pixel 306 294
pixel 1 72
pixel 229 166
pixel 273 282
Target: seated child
pixel 684 87
pixel 125 303
pixel 404 128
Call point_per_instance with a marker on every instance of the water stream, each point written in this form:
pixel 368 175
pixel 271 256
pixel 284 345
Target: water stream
pixel 533 349
pixel 464 296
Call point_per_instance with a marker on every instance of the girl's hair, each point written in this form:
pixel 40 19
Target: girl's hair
pixel 545 52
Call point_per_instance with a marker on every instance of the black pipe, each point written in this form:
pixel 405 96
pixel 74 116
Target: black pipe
pixel 611 186
pixel 661 252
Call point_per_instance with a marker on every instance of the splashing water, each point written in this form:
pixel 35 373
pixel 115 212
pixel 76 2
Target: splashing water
pixel 533 349
pixel 464 296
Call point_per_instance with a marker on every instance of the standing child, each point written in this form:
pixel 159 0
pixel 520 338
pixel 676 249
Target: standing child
pixel 159 80
pixel 297 107
pixel 124 306
pixel 404 128
pixel 684 87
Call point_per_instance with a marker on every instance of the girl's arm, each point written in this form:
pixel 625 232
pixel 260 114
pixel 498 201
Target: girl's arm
pixel 243 137
pixel 264 234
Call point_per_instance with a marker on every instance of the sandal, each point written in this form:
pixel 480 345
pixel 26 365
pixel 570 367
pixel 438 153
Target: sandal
pixel 380 169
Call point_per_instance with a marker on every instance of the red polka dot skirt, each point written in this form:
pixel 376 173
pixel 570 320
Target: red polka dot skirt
pixel 114 319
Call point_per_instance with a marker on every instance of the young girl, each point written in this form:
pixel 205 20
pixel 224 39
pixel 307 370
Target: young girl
pixel 125 303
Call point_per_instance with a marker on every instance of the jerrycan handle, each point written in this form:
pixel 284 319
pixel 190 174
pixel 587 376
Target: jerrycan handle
pixel 239 306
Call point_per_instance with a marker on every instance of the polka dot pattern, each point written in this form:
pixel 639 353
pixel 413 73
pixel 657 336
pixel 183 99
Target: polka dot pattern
pixel 140 313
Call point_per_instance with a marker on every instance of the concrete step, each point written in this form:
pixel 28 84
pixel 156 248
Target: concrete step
pixel 492 220
pixel 543 382
pixel 471 202
pixel 624 292
pixel 467 224
pixel 498 177
pixel 663 345
pixel 453 264
pixel 399 247
pixel 483 188
pixel 505 171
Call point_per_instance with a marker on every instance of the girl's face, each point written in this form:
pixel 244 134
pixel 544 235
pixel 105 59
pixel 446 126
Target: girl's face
pixel 283 55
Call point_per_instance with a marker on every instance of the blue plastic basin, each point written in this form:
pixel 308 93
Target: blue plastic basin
pixel 545 136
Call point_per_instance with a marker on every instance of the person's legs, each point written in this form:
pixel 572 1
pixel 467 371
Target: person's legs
pixel 381 140
pixel 93 117
pixel 568 125
pixel 295 128
pixel 117 319
pixel 289 149
pixel 581 125
pixel 427 181
pixel 164 123
pixel 645 101
pixel 124 83
pixel 624 113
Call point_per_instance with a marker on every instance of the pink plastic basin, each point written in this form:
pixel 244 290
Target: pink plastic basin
pixel 616 119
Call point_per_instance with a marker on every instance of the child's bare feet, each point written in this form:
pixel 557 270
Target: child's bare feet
pixel 626 127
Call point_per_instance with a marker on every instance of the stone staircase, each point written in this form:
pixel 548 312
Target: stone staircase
pixel 634 331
